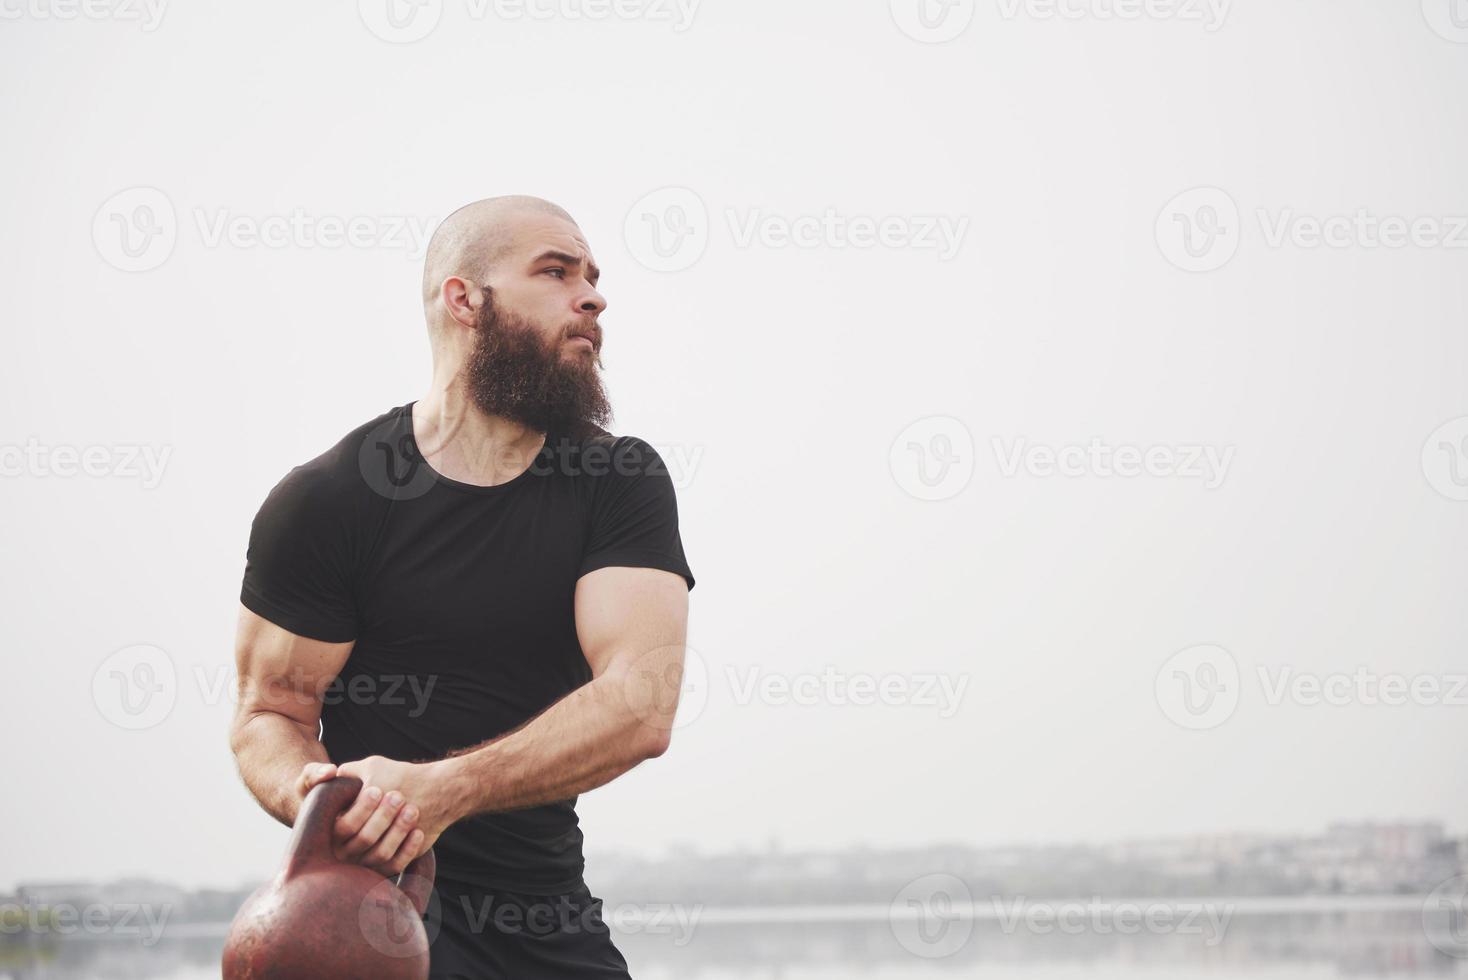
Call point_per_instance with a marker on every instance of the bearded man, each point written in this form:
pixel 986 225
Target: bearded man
pixel 476 603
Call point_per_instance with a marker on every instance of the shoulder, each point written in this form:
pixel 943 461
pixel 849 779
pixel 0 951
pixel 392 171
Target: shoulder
pixel 339 482
pixel 594 452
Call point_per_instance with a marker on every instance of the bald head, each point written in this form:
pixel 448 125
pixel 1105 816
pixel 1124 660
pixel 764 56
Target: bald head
pixel 474 238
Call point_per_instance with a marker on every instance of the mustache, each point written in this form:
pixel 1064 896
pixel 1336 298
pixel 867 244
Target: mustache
pixel 591 331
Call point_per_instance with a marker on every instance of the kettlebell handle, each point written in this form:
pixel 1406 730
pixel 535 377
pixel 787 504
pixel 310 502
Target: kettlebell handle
pixel 311 838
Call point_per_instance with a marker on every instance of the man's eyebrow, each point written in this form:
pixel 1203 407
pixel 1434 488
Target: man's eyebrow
pixel 569 259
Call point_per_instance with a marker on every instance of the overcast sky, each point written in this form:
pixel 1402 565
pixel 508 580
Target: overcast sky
pixel 1070 413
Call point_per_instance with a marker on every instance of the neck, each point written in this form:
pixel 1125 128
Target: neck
pixel 466 444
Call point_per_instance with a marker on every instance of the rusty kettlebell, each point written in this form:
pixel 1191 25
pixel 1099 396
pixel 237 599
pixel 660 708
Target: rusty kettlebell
pixel 325 919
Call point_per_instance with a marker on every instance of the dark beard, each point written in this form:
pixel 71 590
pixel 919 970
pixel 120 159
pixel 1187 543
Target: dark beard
pixel 512 374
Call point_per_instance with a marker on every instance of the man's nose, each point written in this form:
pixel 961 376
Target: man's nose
pixel 591 301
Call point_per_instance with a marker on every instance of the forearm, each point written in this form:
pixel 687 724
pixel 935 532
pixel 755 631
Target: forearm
pixel 271 750
pixel 583 741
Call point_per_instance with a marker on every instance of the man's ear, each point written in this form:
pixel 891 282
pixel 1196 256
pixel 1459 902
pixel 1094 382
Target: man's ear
pixel 463 299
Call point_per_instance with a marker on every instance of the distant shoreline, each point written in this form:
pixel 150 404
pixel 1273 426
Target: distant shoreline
pixel 993 910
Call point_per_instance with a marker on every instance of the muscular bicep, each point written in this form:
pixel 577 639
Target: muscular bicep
pixel 282 673
pixel 627 616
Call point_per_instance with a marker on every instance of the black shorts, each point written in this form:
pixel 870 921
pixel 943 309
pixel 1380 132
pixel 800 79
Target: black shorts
pixel 487 934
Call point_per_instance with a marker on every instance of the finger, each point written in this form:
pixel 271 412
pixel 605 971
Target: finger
pixel 354 818
pixel 412 847
pixel 313 773
pixel 377 823
pixel 383 854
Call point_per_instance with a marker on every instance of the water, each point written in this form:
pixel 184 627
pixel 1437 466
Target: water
pixel 1258 945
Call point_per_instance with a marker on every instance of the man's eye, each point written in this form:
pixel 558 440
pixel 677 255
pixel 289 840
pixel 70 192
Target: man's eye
pixel 560 270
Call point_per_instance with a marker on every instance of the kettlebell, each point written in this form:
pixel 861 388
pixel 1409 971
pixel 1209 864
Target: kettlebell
pixel 325 919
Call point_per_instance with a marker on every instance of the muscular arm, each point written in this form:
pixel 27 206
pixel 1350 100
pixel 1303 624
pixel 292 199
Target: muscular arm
pixel 282 678
pixel 632 624
pixel 274 737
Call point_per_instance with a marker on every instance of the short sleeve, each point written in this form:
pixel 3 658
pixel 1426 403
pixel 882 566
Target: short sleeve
pixel 634 521
pixel 297 565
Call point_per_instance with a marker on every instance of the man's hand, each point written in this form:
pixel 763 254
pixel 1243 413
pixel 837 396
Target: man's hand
pixel 312 774
pixel 399 814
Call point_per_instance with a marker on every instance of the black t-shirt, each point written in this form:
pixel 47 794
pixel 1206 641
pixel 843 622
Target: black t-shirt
pixel 460 600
